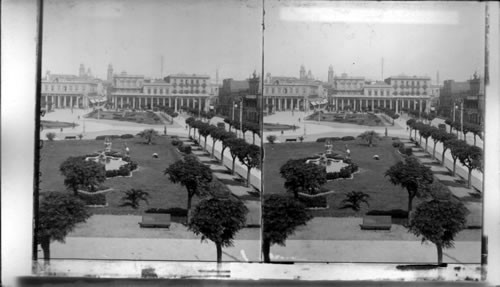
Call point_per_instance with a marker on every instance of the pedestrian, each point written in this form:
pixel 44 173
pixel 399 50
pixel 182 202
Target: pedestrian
pixel 281 131
pixel 299 120
pixel 61 129
pixel 165 130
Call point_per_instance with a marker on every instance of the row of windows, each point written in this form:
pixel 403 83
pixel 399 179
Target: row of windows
pixel 160 91
pixel 410 83
pixel 353 85
pixel 376 92
pixel 66 88
pixel 189 81
pixel 288 90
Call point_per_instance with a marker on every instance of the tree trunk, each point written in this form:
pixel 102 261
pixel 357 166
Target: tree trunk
pixel 426 141
pixel 442 157
pixel 189 132
pixel 434 151
pixel 440 253
pixel 232 170
pixel 219 252
pixel 75 191
pixel 189 207
pixel 248 176
pixel 253 135
pixel 222 156
pixel 451 130
pixel 45 244
pixel 213 148
pixel 205 143
pixel 474 139
pixel 410 203
pixel 410 133
pixel 454 165
pixel 465 137
pixel 266 248
pixel 469 178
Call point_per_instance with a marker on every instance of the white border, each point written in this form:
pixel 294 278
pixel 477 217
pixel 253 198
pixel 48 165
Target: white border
pixel 18 87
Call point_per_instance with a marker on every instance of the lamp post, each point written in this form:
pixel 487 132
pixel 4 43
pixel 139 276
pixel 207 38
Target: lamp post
pixel 241 119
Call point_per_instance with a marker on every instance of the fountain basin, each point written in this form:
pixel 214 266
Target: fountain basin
pixel 109 162
pixel 332 165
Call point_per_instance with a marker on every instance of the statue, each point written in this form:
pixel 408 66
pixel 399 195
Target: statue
pixel 328 147
pixel 107 144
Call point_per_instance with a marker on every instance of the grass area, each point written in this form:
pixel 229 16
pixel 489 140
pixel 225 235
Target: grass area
pixel 140 117
pixel 370 178
pixel 56 124
pixel 148 177
pixel 366 119
pixel 277 127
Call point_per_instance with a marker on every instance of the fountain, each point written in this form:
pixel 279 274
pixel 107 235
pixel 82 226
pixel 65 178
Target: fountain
pixel 109 162
pixel 331 164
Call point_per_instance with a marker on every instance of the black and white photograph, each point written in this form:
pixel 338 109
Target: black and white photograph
pixel 250 140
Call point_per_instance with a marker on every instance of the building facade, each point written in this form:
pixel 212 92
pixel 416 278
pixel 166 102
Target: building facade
pixel 468 95
pixel 235 93
pixel 70 91
pixel 175 91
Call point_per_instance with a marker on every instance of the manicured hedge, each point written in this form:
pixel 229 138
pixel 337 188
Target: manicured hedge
pixel 93 199
pixel 406 151
pixel 314 202
pixel 174 211
pixel 100 138
pixel 185 149
pixel 394 213
pixel 348 138
pixel 322 140
pixel 127 136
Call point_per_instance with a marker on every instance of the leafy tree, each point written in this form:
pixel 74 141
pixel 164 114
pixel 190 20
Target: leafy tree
pixel 446 140
pixel 476 131
pixel 301 138
pixel 58 214
pixel 205 130
pixel 198 125
pixel 148 135
pixel 80 136
pixel 133 197
pixel 271 138
pixel 81 173
pixel 353 200
pixel 411 175
pixel 456 147
pixel 465 130
pixel 419 126
pixel 234 145
pixel 449 122
pixel 189 122
pixel 410 123
pixel 249 155
pixel 281 215
pixel 436 135
pixel 50 136
pixel 218 220
pixel 439 221
pixel 425 132
pixel 370 137
pixel 302 176
pixel 192 174
pixel 216 135
pixel 225 139
pixel 470 157
pixel 394 117
pixel 229 122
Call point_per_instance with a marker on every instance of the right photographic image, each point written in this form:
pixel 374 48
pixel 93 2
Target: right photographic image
pixel 373 120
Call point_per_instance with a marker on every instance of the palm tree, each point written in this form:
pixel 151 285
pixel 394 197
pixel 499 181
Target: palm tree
pixel 354 199
pixel 133 197
pixel 370 137
pixel 149 135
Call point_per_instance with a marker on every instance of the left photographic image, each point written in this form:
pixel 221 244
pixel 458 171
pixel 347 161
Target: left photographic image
pixel 149 121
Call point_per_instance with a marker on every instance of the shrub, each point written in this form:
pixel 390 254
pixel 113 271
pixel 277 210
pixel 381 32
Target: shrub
pixel 124 170
pixel 394 213
pixel 93 199
pixel 408 151
pixel 103 137
pixel 395 138
pixel 185 149
pixel 396 144
pixel 173 115
pixel 314 202
pixel 176 142
pixel 50 136
pixel 322 140
pixel 271 138
pixel 174 211
pixel 127 136
pixel 221 125
pixel 348 138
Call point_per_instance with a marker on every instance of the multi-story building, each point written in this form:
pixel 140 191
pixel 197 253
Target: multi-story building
pixel 70 91
pixel 176 91
pixel 467 94
pixel 234 93
pixel 290 93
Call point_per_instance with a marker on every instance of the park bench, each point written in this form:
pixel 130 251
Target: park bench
pixel 290 140
pixel 376 222
pixel 155 220
pixel 70 138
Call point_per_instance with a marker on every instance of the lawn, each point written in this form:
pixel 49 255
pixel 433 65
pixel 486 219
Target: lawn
pixel 277 127
pixel 56 124
pixel 146 117
pixel 366 119
pixel 148 177
pixel 370 178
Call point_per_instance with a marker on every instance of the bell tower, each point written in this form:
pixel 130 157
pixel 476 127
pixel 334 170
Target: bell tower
pixel 330 74
pixel 302 72
pixel 110 73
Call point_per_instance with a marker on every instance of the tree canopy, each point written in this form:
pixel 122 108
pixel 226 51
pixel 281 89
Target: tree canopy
pixel 471 157
pixel 192 174
pixel 249 155
pixel 281 215
pixel 411 175
pixel 58 214
pixel 235 144
pixel 148 135
pixel 302 176
pixel 370 137
pixel 439 221
pixel 456 147
pixel 80 173
pixel 218 219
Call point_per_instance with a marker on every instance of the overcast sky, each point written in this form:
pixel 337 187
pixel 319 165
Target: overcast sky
pixel 200 36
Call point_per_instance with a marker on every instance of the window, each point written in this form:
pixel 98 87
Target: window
pixel 376 93
pixel 272 90
pixel 369 92
pixel 154 91
pixel 149 91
